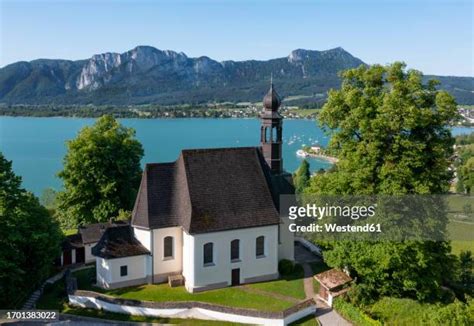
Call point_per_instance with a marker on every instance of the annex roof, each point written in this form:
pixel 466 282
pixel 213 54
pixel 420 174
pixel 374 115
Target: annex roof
pixel 333 278
pixel 117 242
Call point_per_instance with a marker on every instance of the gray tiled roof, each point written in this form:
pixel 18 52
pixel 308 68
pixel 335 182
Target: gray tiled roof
pixel 118 242
pixel 72 241
pixel 91 233
pixel 208 190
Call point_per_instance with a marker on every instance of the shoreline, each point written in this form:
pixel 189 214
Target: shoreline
pixel 171 118
pixel 143 118
pixel 330 159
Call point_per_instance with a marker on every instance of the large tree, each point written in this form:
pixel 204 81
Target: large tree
pixel 301 176
pixel 29 239
pixel 391 134
pixel 101 173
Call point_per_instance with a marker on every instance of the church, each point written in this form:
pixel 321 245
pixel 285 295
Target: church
pixel 208 220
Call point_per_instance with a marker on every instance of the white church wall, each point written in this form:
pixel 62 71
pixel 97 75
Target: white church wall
pixel 219 274
pixel 89 258
pixel 188 260
pixel 143 236
pixel 286 248
pixel 164 266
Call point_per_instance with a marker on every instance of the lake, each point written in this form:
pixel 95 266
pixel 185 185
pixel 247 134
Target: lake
pixel 37 145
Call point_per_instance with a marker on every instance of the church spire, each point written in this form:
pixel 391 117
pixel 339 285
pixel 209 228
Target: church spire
pixel 271 101
pixel 271 130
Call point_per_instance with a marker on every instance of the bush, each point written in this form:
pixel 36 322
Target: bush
pixel 353 314
pixel 394 311
pixel 298 269
pixel 286 267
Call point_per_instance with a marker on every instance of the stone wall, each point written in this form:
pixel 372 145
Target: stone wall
pixel 191 309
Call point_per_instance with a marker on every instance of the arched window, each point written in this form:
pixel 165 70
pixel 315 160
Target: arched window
pixel 260 246
pixel 274 134
pixel 208 253
pixel 235 249
pixel 168 247
pixel 267 134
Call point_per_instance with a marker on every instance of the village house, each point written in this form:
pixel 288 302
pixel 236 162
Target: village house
pixel 210 219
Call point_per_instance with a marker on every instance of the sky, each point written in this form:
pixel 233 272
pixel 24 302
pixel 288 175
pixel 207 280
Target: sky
pixel 434 36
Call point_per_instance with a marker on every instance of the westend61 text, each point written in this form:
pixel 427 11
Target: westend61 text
pixel 334 228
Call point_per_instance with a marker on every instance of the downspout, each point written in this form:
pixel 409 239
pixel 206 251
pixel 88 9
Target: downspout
pixel 152 257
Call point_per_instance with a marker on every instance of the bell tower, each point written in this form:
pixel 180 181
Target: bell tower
pixel 271 131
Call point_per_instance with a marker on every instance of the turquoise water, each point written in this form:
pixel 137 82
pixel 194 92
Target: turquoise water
pixel 37 145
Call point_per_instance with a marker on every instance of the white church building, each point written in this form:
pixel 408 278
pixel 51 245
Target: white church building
pixel 211 218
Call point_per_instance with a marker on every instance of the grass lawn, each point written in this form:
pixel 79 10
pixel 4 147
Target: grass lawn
pixel 356 315
pixel 458 246
pixel 457 202
pixel 307 321
pixel 231 296
pixel 461 232
pixel 396 311
pixel 54 298
pixel 290 285
pixel 69 232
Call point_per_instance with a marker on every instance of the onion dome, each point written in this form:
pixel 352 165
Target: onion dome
pixel 271 101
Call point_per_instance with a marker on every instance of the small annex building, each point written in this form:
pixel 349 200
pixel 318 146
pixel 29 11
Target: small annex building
pixel 334 283
pixel 77 248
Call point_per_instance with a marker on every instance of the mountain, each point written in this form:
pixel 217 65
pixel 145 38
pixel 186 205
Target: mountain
pixel 148 75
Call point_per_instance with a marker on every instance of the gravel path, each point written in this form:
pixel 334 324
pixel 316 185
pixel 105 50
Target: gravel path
pixel 326 315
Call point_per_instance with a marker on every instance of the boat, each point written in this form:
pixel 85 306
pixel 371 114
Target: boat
pixel 301 153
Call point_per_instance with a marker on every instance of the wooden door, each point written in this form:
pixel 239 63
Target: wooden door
pixel 235 276
pixel 80 255
pixel 67 257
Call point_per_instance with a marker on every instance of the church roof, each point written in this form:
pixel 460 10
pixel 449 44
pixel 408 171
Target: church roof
pixel 117 242
pixel 208 190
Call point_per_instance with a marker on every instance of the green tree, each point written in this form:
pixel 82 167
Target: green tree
pixel 301 177
pixel 391 135
pixel 29 239
pixel 101 173
pixel 459 184
pixel 49 198
pixel 467 175
pixel 466 266
pixel 123 215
